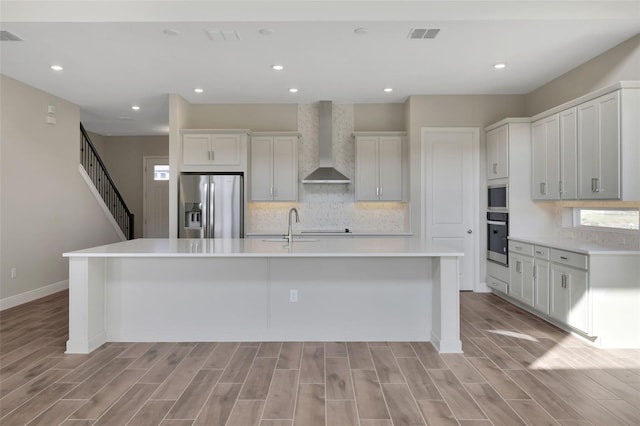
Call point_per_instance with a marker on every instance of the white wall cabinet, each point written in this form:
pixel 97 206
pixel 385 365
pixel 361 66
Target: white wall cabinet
pixel 274 167
pixel 211 149
pixel 608 149
pixel 379 168
pixel 599 148
pixel 498 153
pixel 545 152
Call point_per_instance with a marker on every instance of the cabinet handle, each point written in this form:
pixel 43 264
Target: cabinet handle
pixel 518 266
pixel 213 155
pixel 517 247
pixel 543 188
pixel 209 155
pixel 271 191
pixel 595 185
pixel 535 272
pixel 377 191
pixel 538 252
pixel 564 281
pixel 495 168
pixel 560 187
pixel 380 192
pixel 564 258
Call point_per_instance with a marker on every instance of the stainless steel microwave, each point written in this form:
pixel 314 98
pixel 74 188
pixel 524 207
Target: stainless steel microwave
pixel 498 198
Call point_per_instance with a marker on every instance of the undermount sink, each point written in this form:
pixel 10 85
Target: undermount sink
pixel 295 240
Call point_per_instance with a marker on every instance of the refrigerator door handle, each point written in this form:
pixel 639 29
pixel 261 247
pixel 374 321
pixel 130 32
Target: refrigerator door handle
pixel 212 209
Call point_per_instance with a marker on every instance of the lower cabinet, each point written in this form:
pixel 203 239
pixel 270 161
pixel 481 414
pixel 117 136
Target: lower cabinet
pixel 521 274
pixel 541 289
pixel 569 302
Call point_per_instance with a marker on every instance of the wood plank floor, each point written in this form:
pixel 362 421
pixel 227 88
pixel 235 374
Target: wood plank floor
pixel 516 370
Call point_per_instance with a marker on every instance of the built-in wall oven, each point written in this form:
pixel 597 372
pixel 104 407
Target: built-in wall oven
pixel 497 233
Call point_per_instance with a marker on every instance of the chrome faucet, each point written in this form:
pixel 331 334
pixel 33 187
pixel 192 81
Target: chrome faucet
pixel 289 236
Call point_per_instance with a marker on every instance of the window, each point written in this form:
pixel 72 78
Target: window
pixel 161 172
pixel 607 218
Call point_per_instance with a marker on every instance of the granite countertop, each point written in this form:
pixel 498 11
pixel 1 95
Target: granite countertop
pixel 269 247
pixel 578 246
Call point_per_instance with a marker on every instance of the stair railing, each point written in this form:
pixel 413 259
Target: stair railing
pixel 103 183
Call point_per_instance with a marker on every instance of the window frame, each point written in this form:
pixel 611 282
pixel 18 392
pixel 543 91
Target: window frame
pixel 578 225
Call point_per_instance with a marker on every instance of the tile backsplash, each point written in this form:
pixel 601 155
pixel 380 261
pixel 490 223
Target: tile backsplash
pixel 328 206
pixel 623 240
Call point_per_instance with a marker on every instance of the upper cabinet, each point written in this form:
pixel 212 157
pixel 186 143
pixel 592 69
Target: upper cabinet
pixel 554 157
pixel 498 153
pixel 274 167
pixel 588 149
pixel 206 150
pixel 379 171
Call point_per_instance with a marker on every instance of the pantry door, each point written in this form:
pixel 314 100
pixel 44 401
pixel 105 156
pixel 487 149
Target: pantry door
pixel 450 194
pixel 156 197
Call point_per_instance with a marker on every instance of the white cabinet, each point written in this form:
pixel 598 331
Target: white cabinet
pixel 569 302
pixel 545 152
pixel 498 153
pixel 378 168
pixel 521 276
pixel 554 157
pixel 599 148
pixel 211 149
pixel 608 148
pixel 274 167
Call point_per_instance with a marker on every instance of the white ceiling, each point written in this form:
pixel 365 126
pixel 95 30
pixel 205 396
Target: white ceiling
pixel 115 53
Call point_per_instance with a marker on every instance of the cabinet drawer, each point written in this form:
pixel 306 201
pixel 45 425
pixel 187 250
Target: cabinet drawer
pixel 497 285
pixel 521 248
pixel 541 252
pixel 569 258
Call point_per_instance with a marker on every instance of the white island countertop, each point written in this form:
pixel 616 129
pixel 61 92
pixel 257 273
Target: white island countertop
pixel 577 246
pixel 256 247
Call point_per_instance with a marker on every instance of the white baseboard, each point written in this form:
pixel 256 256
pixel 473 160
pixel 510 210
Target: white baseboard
pixel 19 299
pixel 482 288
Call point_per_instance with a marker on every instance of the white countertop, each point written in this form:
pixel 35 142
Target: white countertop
pixel 577 246
pixel 263 234
pixel 258 247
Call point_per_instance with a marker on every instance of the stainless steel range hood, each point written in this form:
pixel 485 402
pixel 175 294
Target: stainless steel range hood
pixel 326 173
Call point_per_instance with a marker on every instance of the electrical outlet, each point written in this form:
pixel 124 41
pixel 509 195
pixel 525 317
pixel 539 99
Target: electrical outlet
pixel 293 295
pixel 14 273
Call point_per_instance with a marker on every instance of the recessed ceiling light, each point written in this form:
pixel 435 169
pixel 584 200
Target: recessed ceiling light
pixel 277 67
pixel 266 31
pixel 171 32
pixel 500 65
pixel 361 31
pixel 198 90
pixel 293 90
pixel 56 67
pixel 135 107
pixel 388 89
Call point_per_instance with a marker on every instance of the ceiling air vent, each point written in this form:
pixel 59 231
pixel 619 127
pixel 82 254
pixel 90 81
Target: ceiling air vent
pixel 7 36
pixel 423 33
pixel 223 35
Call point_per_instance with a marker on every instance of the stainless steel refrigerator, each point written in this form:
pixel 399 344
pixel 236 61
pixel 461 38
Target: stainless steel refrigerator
pixel 210 206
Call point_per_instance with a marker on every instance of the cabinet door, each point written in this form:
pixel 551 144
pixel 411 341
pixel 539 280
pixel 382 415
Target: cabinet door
pixel 568 155
pixel 527 281
pixel 196 150
pixel 546 159
pixel 225 150
pixel 367 168
pixel 261 169
pixel 516 275
pixel 390 172
pixel 559 300
pixel 578 299
pixel 285 168
pixel 541 291
pixel 498 153
pixel 599 148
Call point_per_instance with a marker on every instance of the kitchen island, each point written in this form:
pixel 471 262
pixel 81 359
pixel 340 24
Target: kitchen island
pixel 333 289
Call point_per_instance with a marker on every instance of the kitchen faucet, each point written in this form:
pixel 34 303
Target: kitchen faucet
pixel 289 236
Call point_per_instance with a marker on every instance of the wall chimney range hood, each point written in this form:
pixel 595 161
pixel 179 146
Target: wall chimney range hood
pixel 326 173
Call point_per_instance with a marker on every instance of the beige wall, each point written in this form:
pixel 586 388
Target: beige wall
pixel 378 117
pixel 47 208
pixel 123 156
pixel 257 117
pixel 617 64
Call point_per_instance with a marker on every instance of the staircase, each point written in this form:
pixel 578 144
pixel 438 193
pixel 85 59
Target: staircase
pixel 103 184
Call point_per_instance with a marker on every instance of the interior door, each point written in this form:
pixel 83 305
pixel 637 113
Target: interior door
pixel 450 180
pixel 156 197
